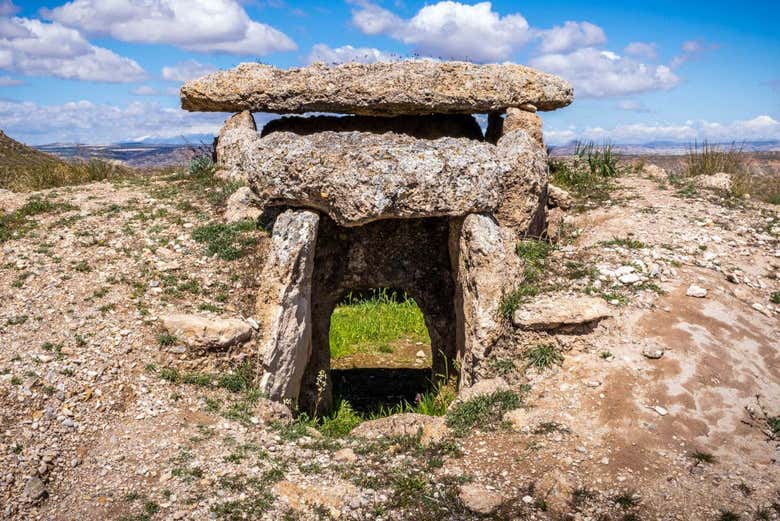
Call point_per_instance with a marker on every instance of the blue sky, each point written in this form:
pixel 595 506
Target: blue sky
pixel 101 71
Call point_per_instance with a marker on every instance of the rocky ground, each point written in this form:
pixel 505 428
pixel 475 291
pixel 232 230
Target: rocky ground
pixel 664 410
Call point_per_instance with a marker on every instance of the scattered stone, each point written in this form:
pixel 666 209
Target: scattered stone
pixel 559 198
pixel 377 89
pixel 481 388
pixel 717 181
pixel 517 418
pixel 561 311
pixel 660 410
pixel 629 278
pixel 345 455
pixel 432 428
pixel 210 333
pixel 696 291
pixel 655 172
pixel 34 489
pixel 242 205
pixel 479 499
pixel 653 353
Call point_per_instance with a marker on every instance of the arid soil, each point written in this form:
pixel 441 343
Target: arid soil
pixel 94 426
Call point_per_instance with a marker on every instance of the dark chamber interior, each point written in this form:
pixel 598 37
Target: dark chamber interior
pixel 410 255
pixel 370 389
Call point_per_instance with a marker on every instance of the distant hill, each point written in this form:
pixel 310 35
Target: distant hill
pixel 671 148
pixel 24 168
pixel 18 163
pixel 137 154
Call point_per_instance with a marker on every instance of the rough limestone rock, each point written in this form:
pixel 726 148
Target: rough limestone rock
pixel 552 312
pixel 483 387
pixel 717 181
pixel 523 120
pixel 433 126
pixel 34 489
pixel 242 204
pixel 487 268
pixel 480 499
pixel 377 89
pixel 559 198
pixel 204 332
pixel 433 429
pixel 359 177
pixel 283 306
pixel 243 120
pixel 522 208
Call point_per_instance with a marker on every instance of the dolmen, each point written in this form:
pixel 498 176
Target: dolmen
pixel 392 185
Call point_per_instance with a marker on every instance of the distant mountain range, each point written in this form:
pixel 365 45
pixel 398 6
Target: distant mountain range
pixel 161 152
pixel 138 154
pixel 671 148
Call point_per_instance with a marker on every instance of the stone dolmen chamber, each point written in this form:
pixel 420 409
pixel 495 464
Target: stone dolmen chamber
pixel 402 190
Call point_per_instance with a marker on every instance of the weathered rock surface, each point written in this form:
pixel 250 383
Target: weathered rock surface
pixel 433 429
pixel 559 198
pixel 716 181
pixel 359 177
pixel 522 208
pixel 480 499
pixel 422 127
pixel 241 205
pixel 283 306
pixel 34 489
pixel 560 312
pixel 530 122
pixel 380 89
pixel 482 388
pixel 204 332
pixel 243 120
pixel 487 268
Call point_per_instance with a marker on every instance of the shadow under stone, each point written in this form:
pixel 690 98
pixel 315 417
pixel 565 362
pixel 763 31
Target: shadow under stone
pixel 369 389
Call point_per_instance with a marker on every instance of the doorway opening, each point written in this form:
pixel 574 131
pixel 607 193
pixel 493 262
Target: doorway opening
pixel 380 350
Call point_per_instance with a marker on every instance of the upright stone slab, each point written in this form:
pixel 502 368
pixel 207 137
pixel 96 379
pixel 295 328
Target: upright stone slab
pixel 283 306
pixel 377 89
pixel 486 268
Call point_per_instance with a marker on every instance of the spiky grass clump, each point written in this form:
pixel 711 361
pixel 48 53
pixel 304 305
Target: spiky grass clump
pixel 589 173
pixel 708 158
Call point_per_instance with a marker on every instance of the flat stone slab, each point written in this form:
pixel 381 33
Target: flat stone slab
pixel 359 177
pixel 378 89
pixel 561 311
pixel 206 332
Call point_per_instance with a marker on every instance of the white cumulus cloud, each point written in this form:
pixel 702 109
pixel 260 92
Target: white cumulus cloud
pixel 195 25
pixel 33 47
pixel 642 50
pixel 571 35
pixel 88 122
pixel 324 53
pixel 145 90
pixel 449 30
pixel 187 70
pixel 598 73
pixel 760 128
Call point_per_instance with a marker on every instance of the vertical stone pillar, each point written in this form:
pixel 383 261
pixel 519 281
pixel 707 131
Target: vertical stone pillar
pixel 524 118
pixel 283 306
pixel 243 120
pixel 487 268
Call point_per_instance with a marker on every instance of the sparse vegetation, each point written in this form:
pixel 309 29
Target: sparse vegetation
pixel 484 411
pixel 17 223
pixel 227 241
pixel 534 254
pixel 708 158
pixel 590 173
pixel 543 356
pixel 702 457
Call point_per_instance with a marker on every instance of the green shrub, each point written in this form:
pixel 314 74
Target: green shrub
pixel 589 173
pixel 483 411
pixel 341 421
pixel 543 356
pixel 227 241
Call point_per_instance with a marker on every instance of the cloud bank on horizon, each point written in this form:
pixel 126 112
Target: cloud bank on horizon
pixel 97 72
